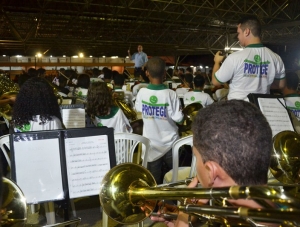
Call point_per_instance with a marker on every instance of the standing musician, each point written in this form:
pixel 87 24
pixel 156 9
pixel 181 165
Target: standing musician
pixel 140 58
pixel 255 69
pixel 236 152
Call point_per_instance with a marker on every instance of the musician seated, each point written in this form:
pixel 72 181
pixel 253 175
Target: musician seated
pixel 119 80
pixel 232 144
pixel 186 86
pixel 102 112
pixel 81 89
pixel 63 90
pixel 221 92
pixel 197 95
pixel 36 107
pixel 144 82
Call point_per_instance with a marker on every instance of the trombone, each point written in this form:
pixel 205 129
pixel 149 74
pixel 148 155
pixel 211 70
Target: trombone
pixel 128 195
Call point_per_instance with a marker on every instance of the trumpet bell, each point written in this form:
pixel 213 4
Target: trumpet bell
pixel 115 200
pixel 13 210
pixel 285 159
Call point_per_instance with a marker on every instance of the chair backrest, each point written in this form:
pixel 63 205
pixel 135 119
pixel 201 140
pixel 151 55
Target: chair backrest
pixel 125 144
pixel 5 146
pixel 175 152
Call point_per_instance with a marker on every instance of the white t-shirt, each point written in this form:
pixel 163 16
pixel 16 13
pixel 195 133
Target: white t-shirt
pixel 293 103
pixel 116 119
pixel 36 125
pixel 160 108
pixel 251 70
pixel 137 87
pixel 182 91
pixel 197 96
pixel 221 94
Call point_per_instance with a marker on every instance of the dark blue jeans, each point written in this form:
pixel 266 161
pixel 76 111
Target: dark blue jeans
pixel 161 166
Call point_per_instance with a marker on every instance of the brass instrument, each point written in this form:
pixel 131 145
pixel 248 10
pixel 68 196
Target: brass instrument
pixel 285 159
pixel 190 111
pixel 14 209
pixel 118 99
pixel 128 195
pixel 7 88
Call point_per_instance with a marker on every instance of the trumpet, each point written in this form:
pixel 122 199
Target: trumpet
pixel 128 195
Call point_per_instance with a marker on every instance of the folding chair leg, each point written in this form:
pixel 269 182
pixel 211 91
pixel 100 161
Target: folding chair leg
pixel 73 207
pixel 50 213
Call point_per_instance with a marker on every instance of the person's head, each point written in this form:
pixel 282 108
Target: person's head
pixel 232 143
pixel 62 81
pixel 181 71
pixel 118 79
pixel 188 78
pixel 107 75
pixel 99 99
pixel 96 72
pixel 248 28
pixel 189 70
pixel 41 72
pixel 199 81
pixel 140 48
pixel 156 68
pixel 292 80
pixel 32 72
pixel 83 81
pixel 36 97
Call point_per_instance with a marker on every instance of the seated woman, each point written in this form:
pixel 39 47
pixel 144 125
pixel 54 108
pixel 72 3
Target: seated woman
pixel 101 110
pixel 83 83
pixel 36 107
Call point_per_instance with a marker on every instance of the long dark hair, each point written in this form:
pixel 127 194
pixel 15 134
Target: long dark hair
pixel 99 99
pixel 36 97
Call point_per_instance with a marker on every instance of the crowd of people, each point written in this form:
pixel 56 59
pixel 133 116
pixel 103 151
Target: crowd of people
pixel 228 131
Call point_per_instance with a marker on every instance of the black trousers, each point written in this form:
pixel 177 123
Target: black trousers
pixel 137 72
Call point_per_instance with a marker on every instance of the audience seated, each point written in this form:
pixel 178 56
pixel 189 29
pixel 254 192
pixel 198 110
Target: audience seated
pixel 101 110
pixel 197 95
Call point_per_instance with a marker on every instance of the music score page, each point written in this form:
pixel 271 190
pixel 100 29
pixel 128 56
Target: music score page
pixel 276 114
pixel 87 163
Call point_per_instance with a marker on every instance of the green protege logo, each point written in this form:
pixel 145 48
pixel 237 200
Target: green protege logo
pixel 193 98
pixel 99 125
pixel 297 104
pixel 257 59
pixel 153 99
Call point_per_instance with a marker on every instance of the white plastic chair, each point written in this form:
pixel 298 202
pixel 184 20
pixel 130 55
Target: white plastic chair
pixel 4 145
pixel 125 144
pixel 180 173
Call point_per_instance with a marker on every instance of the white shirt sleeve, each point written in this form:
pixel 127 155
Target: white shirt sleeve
pixel 226 71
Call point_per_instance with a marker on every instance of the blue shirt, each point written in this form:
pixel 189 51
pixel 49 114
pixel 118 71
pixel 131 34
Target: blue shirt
pixel 139 59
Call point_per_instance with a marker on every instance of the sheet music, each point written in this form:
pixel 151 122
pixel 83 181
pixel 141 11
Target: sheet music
pixel 38 169
pixel 276 114
pixel 87 163
pixel 74 118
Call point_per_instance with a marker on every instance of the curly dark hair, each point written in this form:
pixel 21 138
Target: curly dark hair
pixel 236 135
pixel 36 97
pixel 99 99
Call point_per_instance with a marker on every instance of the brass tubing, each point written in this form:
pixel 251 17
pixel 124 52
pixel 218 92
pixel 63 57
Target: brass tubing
pixel 242 212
